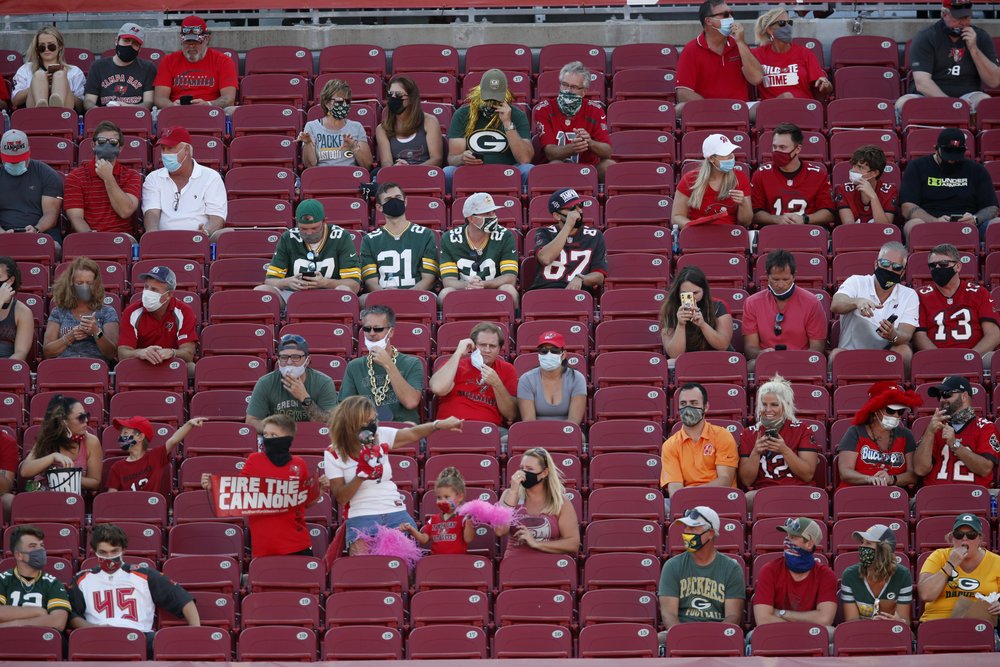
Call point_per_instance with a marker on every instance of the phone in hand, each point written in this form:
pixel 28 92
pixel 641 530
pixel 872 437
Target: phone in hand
pixel 892 318
pixel 780 347
pixel 54 68
pixel 308 274
pixel 955 218
pixel 687 299
pixel 185 99
pixel 89 317
pixel 771 433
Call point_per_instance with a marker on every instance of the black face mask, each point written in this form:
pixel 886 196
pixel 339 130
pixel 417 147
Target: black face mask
pixel 955 32
pixel 530 479
pixel 487 113
pixel 885 278
pixel 393 208
pixel 942 275
pixel 126 53
pixel 276 449
pixel 368 433
pixel 784 296
pixel 950 167
pixel 395 104
pixel 126 442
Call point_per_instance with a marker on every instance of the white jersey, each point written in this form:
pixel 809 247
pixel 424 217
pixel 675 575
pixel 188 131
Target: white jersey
pixel 126 599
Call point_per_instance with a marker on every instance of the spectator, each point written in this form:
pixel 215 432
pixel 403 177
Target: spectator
pixel 63 441
pixel 392 380
pixel 952 58
pixel 195 74
pixel 360 470
pixel 102 195
pixel 783 317
pixel 489 130
pixel 790 70
pixel 701 584
pixel 45 80
pixel 553 390
pixel 475 383
pixel 17 324
pixel 312 255
pixel 401 254
pixel 796 588
pixel 778 450
pixel 698 193
pixel 866 199
pixel 955 313
pixel 10 457
pixel 961 571
pixel 573 128
pixel 32 190
pixel 877 449
pixel 788 191
pixel 407 135
pixel 877 311
pixel 548 522
pixel 334 139
pixel 717 64
pixel 29 596
pixel 80 323
pixel 947 186
pixel 479 254
pixel 160 326
pixel 570 254
pixel 292 388
pixel 693 323
pixel 447 532
pixel 699 453
pixel 183 194
pixel 124 79
pixel 957 447
pixel 877 587
pixel 143 468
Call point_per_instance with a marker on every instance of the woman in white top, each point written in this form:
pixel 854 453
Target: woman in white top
pixel 334 139
pixel 45 79
pixel 357 465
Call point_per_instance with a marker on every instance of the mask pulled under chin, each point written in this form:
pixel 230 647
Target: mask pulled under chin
pixel 963 416
pixel 787 294
pixel 110 565
pixel 292 371
pixel 374 345
pixel 276 450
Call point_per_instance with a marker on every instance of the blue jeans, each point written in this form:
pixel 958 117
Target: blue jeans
pixel 356 526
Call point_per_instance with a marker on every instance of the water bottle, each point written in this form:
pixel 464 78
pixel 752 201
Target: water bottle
pixel 993 505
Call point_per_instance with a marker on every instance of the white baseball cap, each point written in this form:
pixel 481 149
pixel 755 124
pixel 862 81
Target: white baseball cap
pixel 478 204
pixel 717 144
pixel 700 516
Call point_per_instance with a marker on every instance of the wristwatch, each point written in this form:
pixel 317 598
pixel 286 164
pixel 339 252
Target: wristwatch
pixel 781 613
pixel 307 401
pixel 805 218
pixel 100 334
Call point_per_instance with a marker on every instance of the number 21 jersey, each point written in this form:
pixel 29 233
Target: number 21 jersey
pixel 955 321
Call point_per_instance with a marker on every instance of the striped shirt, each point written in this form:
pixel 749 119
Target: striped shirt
pixel 85 190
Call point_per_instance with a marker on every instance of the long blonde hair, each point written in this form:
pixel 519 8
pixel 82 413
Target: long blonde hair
pixel 475 101
pixel 884 565
pixel 62 290
pixel 32 54
pixel 555 491
pixel 701 184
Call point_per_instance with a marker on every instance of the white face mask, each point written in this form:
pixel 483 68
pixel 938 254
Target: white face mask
pixel 549 361
pixel 890 422
pixel 292 371
pixel 374 345
pixel 854 176
pixel 151 300
pixel 477 359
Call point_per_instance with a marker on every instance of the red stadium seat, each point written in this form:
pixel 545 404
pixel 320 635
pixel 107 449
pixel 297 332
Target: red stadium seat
pixel 954 635
pixel 509 58
pixel 786 640
pixel 951 499
pixel 240 273
pixel 530 640
pixel 130 506
pixel 416 179
pixel 546 178
pixel 625 435
pixel 47 122
pixel 425 58
pixel 640 238
pixel 354 608
pixel 175 244
pixel 936 112
pixel 207 644
pixel 649 145
pixel 133 121
pixel 866 81
pixel 716 115
pixel 196 118
pixel 460 571
pixel 227 404
pixel 616 369
pixel 700 640
pixel 379 573
pixel 866 366
pixel 657 84
pixel 726 502
pixel 204 573
pixel 625 469
pixel 275 88
pixel 926 236
pixel 934 364
pixel 277 643
pixel 92 403
pixel 864 50
pixel 35 248
pixel 632 303
pixel 476 437
pixel 107 643
pixel 449 606
pixel 643 55
pixel 637 209
pixel 923 141
pixel 519 606
pixel 860 113
pixel 10 61
pixel 618 640
pixel 849 238
pixel 641 114
pixel 353 58
pixel 722 269
pixel 806 114
pixel 285 608
pixel 324 306
pixel 362 642
pixel 538 570
pixel 639 177
pixel 692 141
pixel 446 642
pixel 623 535
pixel 237 338
pixel 557 304
pixel 155 405
pixel 478 305
pixel 554 56
pixel 101 246
pixel 496 179
pixel 439 87
pixel 793 238
pixel 57 152
pixel 861 501
pixel 263 150
pixel 279 59
pixel 628 335
pixel 711 366
pixel 617 606
pixel 636 269
pixel 555 436
pixel 478 470
pixel 260 181
pixel 244 305
pixel 715 238
pixel 794 365
pixel 629 402
pixel 203 538
pixel 31 643
pixel 72 374
pixel 775 501
pixel 621 570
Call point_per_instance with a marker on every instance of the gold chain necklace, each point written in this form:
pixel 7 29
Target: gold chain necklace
pixel 379 393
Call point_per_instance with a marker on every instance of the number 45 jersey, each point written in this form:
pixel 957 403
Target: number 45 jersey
pixel 128 598
pixel 584 252
pixel 399 261
pixel 804 192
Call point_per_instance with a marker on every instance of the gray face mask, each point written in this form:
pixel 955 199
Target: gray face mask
pixel 83 292
pixel 691 416
pixel 37 558
pixel 783 34
pixel 106 152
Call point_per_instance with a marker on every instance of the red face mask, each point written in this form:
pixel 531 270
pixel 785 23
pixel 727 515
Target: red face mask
pixel 781 158
pixel 446 506
pixel 110 565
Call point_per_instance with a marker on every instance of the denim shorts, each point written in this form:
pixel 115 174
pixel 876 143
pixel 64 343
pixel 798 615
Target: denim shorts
pixel 369 523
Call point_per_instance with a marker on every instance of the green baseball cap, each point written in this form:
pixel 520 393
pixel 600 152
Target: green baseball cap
pixel 309 211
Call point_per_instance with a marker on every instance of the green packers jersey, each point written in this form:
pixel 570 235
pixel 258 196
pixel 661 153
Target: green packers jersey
pixel 497 257
pixel 46 592
pixel 399 262
pixel 335 257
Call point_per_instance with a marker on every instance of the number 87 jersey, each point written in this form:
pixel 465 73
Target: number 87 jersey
pixel 955 321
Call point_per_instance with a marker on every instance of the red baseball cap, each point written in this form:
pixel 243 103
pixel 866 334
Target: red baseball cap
pixel 193 29
pixel 553 338
pixel 172 136
pixel 141 424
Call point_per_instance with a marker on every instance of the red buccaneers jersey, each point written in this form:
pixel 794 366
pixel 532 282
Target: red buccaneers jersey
pixel 804 192
pixel 847 195
pixel 979 435
pixel 955 321
pixel 774 471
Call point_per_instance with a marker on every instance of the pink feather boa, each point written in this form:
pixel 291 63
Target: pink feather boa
pixel 489 514
pixel 392 542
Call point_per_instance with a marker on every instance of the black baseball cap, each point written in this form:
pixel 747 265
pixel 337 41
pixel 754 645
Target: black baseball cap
pixel 950 385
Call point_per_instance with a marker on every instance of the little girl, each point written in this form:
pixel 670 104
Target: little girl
pixel 447 532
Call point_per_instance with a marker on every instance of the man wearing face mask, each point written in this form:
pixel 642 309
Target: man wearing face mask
pixel 958 447
pixel 32 190
pixel 29 596
pixel 699 453
pixel 570 255
pixel 143 468
pixel 947 186
pixel 102 194
pixel 400 254
pixel 572 128
pixel 481 254
pixel 783 314
pixel 124 79
pixel 787 190
pixel 955 312
pixel 158 327
pixel 392 380
pixel 196 74
pixel 292 388
pixel 865 198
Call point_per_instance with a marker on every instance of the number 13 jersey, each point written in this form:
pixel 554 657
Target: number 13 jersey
pixel 955 321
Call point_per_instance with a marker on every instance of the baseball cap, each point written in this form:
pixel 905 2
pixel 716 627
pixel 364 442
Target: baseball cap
pixel 172 136
pixel 162 273
pixel 960 9
pixel 193 29
pixel 877 533
pixel 717 144
pixel 970 520
pixel 700 516
pixel 140 424
pixel 14 146
pixel 478 204
pixel 553 338
pixel 293 341
pixel 309 211
pixel 951 141
pixel 565 198
pixel 493 86
pixel 803 527
pixel 949 385
pixel 134 31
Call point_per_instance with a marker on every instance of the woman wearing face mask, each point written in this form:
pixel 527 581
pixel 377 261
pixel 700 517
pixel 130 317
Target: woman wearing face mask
pixel 790 70
pixel 704 324
pixel 549 523
pixel 407 135
pixel 877 587
pixel 878 450
pixel 17 324
pixel 333 139
pixel 45 80
pixel 358 467
pixel 553 390
pixel 63 441
pixel 715 188
pixel 864 198
pixel 80 324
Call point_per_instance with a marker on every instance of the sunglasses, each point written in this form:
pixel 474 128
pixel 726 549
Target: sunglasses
pixel 778 319
pixel 965 535
pixel 722 15
pixel 196 30
pixel 373 329
pixel 100 141
pixel 549 350
pixel 947 394
pixel 782 23
pixel 695 515
pixel 83 417
pixel 886 264
pixel 942 265
pixel 42 48
pixel 177 199
pixel 890 411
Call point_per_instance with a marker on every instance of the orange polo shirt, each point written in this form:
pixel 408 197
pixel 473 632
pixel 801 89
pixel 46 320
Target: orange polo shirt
pixel 693 463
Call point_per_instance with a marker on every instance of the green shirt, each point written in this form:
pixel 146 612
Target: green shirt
pixel 44 591
pixel 270 397
pixel 488 139
pixel 854 590
pixel 498 256
pixel 334 258
pixel 702 591
pixel 399 262
pixel 357 382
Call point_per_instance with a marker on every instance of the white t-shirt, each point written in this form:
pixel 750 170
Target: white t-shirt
pixel 204 195
pixel 374 496
pixel 75 76
pixel 859 333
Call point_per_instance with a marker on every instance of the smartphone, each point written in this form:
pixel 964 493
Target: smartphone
pixel 186 99
pixel 687 299
pixel 308 274
pixel 570 137
pixel 478 156
pixel 54 68
pixel 892 318
pixel 955 218
pixel 87 318
pixel 771 433
pixel 780 347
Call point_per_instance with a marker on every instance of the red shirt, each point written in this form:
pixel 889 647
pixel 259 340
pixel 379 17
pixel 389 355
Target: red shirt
pixel 710 205
pixel 955 321
pixel 773 469
pixel 775 587
pixel 871 459
pixel 710 75
pixel 447 536
pixel 471 398
pixel 85 190
pixel 979 435
pixel 791 72
pixel 553 124
pixel 278 534
pixel 144 474
pixel 142 329
pixel 805 191
pixel 847 195
pixel 203 80
pixel 10 457
pixel 804 320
